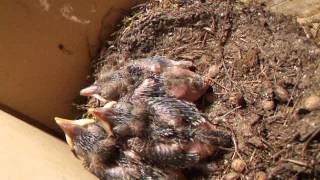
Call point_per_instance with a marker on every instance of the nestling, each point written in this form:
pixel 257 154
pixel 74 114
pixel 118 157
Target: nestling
pixel 115 84
pixel 101 156
pixel 124 118
pixel 89 142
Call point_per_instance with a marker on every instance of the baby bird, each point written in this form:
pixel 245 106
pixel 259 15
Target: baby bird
pixel 88 141
pixel 172 154
pixel 101 156
pixel 204 133
pixel 184 84
pixel 172 112
pixel 115 84
pixel 149 172
pixel 122 118
pixel 163 111
pixel 158 117
pixel 177 119
pixel 169 120
pixel 158 64
pixel 207 133
pixel 175 82
pixel 111 87
pixel 126 169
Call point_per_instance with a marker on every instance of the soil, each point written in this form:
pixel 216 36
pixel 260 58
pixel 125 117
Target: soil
pixel 263 67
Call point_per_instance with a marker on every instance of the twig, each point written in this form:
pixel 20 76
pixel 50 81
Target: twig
pixel 236 149
pixel 277 154
pixel 300 163
pixel 226 71
pixel 208 30
pixel 204 39
pixel 317 32
pixel 229 112
pixel 214 81
pixel 252 156
pixel 267 143
pixel 234 139
pixel 288 103
pixel 315 132
pixel 272 118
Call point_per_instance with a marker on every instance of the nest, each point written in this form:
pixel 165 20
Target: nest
pixel 263 67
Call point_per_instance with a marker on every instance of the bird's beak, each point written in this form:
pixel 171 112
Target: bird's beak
pixel 99 113
pixel 91 90
pixel 69 127
pixel 104 112
pixel 102 115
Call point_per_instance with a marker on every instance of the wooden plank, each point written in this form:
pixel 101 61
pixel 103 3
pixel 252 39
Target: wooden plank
pixel 29 153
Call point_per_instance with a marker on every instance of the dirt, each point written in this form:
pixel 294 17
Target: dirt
pixel 264 68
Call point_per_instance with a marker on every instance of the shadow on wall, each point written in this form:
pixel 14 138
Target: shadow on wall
pixel 45 53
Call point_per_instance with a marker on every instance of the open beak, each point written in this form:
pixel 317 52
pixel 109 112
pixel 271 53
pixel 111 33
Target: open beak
pixel 70 127
pixel 103 112
pixel 102 115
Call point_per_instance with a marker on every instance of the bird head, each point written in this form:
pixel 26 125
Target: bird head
pixel 88 140
pixel 184 84
pixel 73 129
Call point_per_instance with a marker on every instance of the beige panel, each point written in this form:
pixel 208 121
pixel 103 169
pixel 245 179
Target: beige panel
pixel 44 52
pixel 28 153
pixel 300 8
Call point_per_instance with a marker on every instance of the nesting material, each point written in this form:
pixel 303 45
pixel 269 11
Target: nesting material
pixel 261 56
